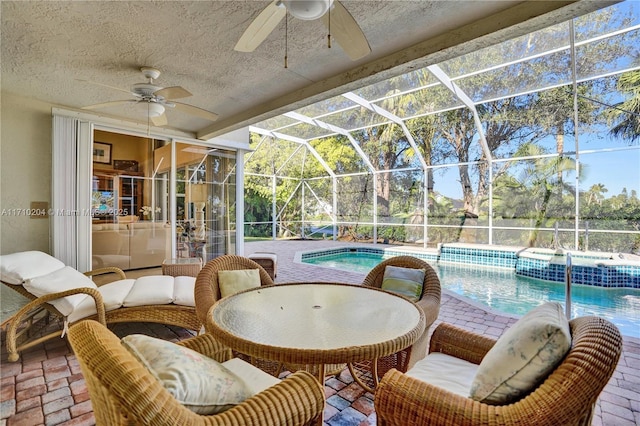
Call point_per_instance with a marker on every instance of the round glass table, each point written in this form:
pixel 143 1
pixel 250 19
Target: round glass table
pixel 316 323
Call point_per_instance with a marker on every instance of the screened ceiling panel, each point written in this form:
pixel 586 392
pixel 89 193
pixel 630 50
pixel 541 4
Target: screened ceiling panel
pixel 402 83
pixel 592 60
pixel 606 43
pixel 515 50
pixel 331 105
pixel 429 100
pixel 307 131
pixel 354 118
pixel 614 18
pixel 535 74
pixel 276 123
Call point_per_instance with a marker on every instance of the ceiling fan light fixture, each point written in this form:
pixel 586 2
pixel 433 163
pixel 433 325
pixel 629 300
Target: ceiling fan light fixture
pixel 307 10
pixel 155 109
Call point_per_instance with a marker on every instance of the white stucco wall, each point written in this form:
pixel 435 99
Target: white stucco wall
pixel 25 172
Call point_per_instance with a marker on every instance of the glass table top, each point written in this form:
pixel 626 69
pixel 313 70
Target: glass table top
pixel 318 316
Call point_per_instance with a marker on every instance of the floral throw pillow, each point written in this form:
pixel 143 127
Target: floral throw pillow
pixel 201 384
pixel 523 356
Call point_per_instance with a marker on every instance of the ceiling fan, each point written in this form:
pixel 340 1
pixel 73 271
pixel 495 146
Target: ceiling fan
pixel 156 98
pixel 334 15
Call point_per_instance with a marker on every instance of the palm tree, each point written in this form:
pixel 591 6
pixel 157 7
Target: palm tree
pixel 596 194
pixel 626 114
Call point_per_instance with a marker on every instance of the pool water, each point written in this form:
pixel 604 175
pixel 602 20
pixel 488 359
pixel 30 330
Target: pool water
pixel 505 291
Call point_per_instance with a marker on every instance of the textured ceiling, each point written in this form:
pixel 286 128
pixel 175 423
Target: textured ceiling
pixel 68 53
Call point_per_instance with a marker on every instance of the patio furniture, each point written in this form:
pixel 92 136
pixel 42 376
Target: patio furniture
pixel 124 391
pixel 207 288
pixel 268 260
pixel 208 291
pixel 316 323
pixel 70 296
pixel 566 397
pixel 428 302
pixel 182 266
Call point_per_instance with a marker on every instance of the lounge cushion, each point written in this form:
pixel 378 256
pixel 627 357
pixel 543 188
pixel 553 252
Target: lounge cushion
pixel 523 356
pixel 18 267
pixel 113 295
pixel 446 372
pixel 151 290
pixel 406 282
pixel 183 291
pixel 201 384
pixel 232 282
pixel 59 280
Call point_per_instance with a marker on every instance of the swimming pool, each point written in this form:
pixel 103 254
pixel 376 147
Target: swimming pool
pixel 503 290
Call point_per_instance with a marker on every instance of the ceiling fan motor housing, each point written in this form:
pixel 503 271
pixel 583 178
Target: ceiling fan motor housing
pixel 145 90
pixel 307 10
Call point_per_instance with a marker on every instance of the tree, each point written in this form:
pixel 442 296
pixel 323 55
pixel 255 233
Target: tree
pixel 625 115
pixel 596 194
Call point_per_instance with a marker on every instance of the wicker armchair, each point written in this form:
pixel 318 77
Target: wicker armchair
pixel 567 397
pixel 123 391
pixel 207 289
pixel 207 292
pixel 429 302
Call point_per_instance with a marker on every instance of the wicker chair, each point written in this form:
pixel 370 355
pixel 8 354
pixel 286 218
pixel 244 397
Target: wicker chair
pixel 567 396
pixel 429 302
pixel 207 292
pixel 207 289
pixel 124 392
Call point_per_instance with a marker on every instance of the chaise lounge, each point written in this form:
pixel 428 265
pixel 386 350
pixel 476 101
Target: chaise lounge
pixel 69 296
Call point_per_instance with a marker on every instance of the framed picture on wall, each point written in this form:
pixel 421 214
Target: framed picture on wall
pixel 102 152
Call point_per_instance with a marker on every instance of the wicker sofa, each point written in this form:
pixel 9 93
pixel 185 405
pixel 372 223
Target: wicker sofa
pixel 67 295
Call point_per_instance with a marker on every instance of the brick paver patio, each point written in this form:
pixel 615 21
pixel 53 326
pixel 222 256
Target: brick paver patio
pixel 46 386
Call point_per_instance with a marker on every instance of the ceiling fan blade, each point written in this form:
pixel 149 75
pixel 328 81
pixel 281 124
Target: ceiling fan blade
pixel 173 92
pixel 346 31
pixel 104 85
pixel 261 27
pixel 198 112
pixel 160 120
pixel 110 104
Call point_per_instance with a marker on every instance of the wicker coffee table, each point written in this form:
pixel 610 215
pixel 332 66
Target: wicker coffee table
pixel 316 323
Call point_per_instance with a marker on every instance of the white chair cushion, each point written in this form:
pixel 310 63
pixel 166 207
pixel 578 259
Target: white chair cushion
pixel 232 282
pixel 63 279
pixel 255 379
pixel 445 371
pixel 183 291
pixel 16 268
pixel 523 356
pixel 150 290
pixel 199 383
pixel 113 295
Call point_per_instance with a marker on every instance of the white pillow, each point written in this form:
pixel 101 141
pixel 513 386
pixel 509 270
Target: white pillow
pixel 232 282
pixel 201 384
pixel 523 356
pixel 18 267
pixel 63 279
